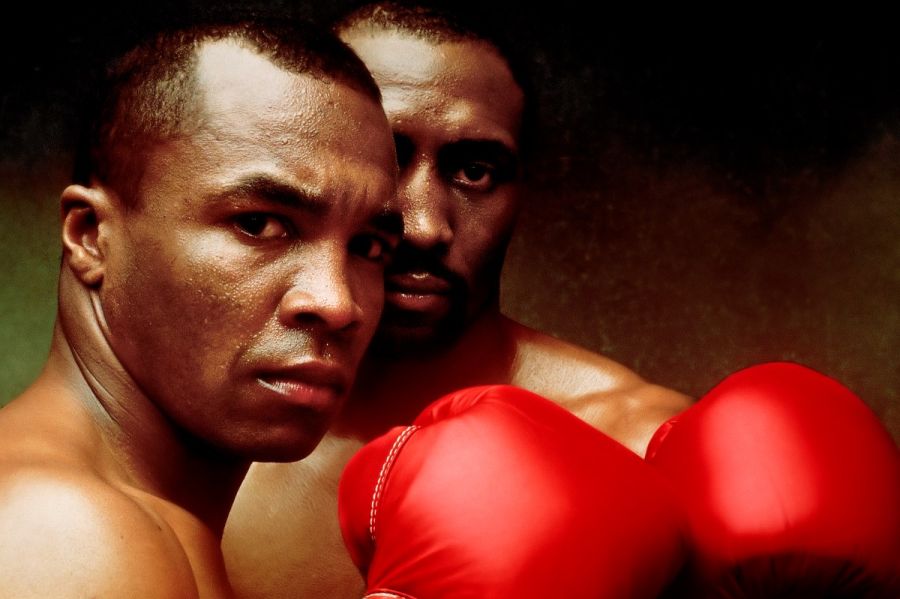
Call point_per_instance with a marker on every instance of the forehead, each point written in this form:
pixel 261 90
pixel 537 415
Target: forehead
pixel 243 94
pixel 463 88
pixel 252 118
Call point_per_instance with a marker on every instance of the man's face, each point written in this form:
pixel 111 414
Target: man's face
pixel 456 112
pixel 243 288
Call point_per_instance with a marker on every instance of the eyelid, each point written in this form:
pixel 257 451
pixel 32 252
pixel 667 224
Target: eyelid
pixel 500 166
pixel 487 182
pixel 286 224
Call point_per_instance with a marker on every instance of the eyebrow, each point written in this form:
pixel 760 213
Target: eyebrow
pixel 490 148
pixel 274 190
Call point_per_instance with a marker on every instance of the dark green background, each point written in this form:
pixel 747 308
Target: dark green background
pixel 705 196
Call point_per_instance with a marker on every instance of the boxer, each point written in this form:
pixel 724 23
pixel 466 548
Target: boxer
pixel 458 110
pixel 223 253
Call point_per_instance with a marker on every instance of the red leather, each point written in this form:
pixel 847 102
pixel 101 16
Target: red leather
pixel 791 485
pixel 499 493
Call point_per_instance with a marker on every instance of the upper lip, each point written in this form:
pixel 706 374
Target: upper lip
pixel 419 282
pixel 313 372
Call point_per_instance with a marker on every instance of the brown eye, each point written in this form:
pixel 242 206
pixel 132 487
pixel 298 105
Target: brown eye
pixel 477 166
pixel 476 174
pixel 370 247
pixel 261 225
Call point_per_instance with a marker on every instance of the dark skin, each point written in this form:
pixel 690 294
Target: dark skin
pixel 456 112
pixel 218 320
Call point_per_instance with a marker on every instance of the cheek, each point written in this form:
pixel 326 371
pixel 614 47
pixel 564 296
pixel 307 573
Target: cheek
pixel 202 288
pixel 484 231
pixel 184 311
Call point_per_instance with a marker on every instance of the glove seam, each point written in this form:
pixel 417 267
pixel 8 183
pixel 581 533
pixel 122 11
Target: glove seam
pixel 399 442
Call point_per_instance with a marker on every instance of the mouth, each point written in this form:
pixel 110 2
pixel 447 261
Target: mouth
pixel 417 291
pixel 315 385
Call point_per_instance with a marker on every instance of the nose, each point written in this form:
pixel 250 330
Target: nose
pixel 426 207
pixel 320 296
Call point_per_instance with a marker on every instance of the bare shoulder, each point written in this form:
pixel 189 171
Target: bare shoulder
pixel 66 533
pixel 604 393
pixel 638 410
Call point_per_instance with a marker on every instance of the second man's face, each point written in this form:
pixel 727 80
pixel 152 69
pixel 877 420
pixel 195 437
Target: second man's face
pixel 456 114
pixel 250 279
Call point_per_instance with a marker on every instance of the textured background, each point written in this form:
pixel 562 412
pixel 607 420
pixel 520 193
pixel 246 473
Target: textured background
pixel 704 197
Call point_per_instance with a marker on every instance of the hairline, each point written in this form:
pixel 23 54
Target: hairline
pixel 435 26
pixel 142 103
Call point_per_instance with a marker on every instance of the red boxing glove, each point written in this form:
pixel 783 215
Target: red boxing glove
pixel 495 492
pixel 791 485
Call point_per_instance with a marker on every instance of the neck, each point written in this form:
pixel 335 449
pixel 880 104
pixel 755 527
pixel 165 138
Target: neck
pixel 149 453
pixel 392 391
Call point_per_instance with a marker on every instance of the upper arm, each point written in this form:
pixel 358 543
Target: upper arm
pixel 70 538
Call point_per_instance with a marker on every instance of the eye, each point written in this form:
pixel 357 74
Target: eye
pixel 477 166
pixel 476 175
pixel 371 247
pixel 261 225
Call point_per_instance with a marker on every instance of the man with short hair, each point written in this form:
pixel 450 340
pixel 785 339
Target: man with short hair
pixel 457 109
pixel 223 255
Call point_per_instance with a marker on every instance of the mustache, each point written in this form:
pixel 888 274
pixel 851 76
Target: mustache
pixel 408 258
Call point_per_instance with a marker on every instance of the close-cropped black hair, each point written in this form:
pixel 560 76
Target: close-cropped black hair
pixel 145 95
pixel 438 24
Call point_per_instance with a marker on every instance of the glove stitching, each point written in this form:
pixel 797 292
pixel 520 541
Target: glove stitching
pixel 399 442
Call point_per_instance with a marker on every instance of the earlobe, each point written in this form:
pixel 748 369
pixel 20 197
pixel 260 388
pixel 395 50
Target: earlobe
pixel 85 212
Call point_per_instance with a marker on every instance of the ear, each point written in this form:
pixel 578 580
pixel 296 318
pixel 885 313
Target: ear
pixel 86 215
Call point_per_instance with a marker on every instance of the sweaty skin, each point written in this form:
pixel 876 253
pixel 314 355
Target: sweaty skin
pixel 218 320
pixel 456 112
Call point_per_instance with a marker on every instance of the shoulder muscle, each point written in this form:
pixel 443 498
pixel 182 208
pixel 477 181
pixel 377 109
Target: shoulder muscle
pixel 65 535
pixel 599 390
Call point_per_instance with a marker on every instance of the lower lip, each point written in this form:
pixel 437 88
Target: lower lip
pixel 417 302
pixel 313 396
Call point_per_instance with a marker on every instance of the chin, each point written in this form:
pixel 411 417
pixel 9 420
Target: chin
pixel 276 442
pixel 404 341
pixel 280 454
